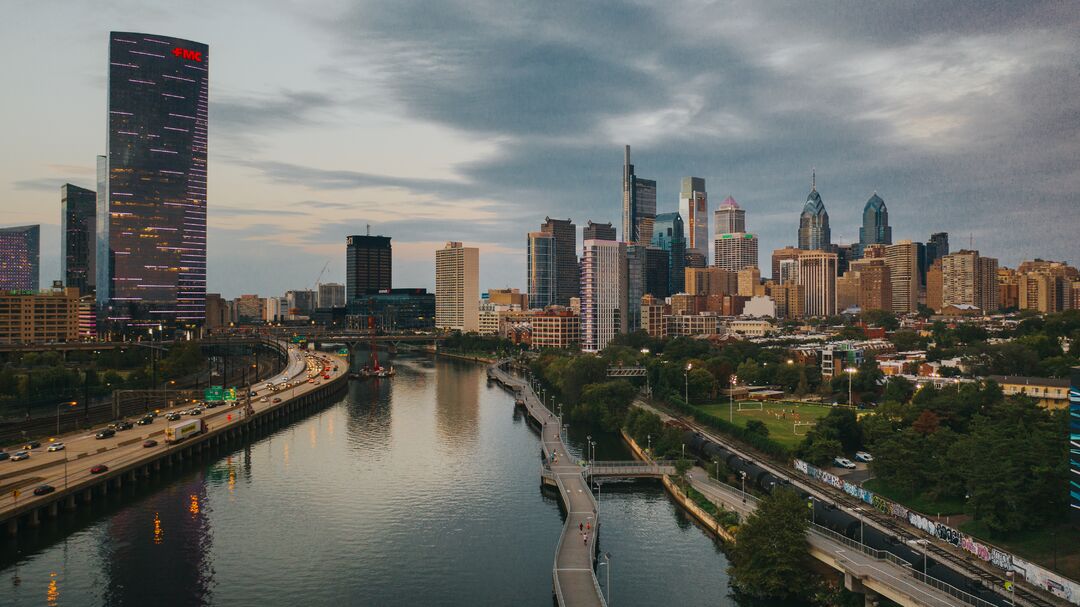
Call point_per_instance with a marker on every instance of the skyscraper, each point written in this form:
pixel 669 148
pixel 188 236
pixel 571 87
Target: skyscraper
pixel 369 265
pixel 603 293
pixel 20 258
pixel 668 235
pixel 78 225
pixel 542 266
pixel 734 248
pixel 730 217
pixel 817 276
pixel 937 248
pixel 567 279
pixel 152 246
pixel 331 295
pixel 875 223
pixel 969 279
pixel 639 204
pixel 598 231
pixel 902 260
pixel 457 288
pixel 658 272
pixel 814 233
pixel 694 209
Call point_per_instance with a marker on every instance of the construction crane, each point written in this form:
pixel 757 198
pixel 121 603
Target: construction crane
pixel 319 277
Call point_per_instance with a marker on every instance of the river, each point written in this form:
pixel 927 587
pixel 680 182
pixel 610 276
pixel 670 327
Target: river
pixel 421 490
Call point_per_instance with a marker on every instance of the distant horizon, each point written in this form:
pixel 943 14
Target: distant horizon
pixel 472 124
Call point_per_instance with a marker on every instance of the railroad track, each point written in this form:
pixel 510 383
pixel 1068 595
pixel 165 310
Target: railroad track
pixel 1022 594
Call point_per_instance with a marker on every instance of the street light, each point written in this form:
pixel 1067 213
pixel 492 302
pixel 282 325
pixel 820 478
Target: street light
pixel 588 453
pixel 70 403
pixel 742 473
pixel 686 379
pixel 607 563
pixel 850 374
pixel 731 398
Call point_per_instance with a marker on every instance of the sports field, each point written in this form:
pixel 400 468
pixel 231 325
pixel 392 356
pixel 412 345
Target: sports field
pixel 779 417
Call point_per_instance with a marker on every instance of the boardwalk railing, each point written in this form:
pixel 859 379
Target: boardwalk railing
pixel 628 468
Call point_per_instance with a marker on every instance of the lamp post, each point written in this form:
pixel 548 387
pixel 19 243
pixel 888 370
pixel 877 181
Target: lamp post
pixel 686 380
pixel 731 398
pixel 648 437
pixel 859 514
pixel 607 584
pixel 742 473
pixel 588 452
pixel 850 374
pixel 70 403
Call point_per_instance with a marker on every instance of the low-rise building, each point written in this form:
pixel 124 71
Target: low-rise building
pixel 38 317
pixel 705 323
pixel 556 327
pixel 749 328
pixel 1051 393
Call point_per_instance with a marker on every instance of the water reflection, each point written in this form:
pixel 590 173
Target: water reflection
pixel 457 403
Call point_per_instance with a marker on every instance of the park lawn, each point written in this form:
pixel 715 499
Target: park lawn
pixel 772 414
pixel 1055 547
pixel 918 502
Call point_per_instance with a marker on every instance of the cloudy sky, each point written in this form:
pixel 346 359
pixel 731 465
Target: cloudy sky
pixel 472 120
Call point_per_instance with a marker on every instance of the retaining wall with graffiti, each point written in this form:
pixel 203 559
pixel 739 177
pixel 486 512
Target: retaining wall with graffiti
pixel 1032 573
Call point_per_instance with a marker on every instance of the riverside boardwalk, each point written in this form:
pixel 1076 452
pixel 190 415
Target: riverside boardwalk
pixel 572 574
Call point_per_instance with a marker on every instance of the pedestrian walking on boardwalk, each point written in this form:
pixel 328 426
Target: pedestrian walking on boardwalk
pixel 580 527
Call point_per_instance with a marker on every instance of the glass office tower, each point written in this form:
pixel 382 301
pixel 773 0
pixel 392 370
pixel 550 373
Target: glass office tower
pixel 152 245
pixel 78 207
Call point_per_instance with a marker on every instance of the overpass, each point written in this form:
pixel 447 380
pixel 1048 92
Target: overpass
pixel 573 575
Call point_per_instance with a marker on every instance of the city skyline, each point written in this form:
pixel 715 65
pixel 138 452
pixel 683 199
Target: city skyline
pixel 490 170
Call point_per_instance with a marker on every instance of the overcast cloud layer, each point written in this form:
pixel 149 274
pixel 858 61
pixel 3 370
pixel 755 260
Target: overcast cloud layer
pixel 473 120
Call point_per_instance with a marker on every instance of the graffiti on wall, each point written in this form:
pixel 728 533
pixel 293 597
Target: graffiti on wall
pixel 1032 573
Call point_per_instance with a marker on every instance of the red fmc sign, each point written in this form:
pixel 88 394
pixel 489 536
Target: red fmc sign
pixel 184 53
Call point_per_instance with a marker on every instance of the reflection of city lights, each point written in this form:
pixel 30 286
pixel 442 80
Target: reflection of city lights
pixel 314 442
pixel 232 481
pixel 330 426
pixel 158 533
pixel 286 454
pixel 53 593
pixel 194 507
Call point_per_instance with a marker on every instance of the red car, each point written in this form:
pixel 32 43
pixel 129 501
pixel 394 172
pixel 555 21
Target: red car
pixel 98 469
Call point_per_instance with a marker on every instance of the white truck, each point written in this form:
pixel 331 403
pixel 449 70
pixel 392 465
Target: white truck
pixel 178 432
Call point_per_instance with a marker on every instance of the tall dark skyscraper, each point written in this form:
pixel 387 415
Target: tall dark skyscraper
pixel 875 223
pixel 542 265
pixel 937 248
pixel 78 226
pixel 814 233
pixel 20 258
pixel 567 279
pixel 669 234
pixel 368 265
pixel 151 266
pixel 639 205
pixel 598 231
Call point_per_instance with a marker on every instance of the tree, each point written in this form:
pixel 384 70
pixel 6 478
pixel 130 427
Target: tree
pixel 881 318
pixel 907 340
pixel 757 427
pixel 771 556
pixel 898 389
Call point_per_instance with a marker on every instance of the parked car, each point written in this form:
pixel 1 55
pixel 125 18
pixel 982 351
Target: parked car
pixel 20 455
pixel 98 469
pixel 843 462
pixel 31 445
pixel 44 489
pixel 106 433
pixel 56 447
pixel 863 456
pixel 149 443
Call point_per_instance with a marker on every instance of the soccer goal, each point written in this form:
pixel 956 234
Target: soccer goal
pixel 796 425
pixel 755 405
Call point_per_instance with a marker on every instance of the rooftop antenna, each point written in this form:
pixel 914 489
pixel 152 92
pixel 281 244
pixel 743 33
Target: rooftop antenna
pixel 369 229
pixel 813 179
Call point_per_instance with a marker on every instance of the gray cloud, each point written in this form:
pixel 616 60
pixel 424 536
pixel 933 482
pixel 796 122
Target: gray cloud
pixel 41 184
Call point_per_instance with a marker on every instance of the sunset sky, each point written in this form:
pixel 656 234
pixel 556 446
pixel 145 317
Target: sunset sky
pixel 473 120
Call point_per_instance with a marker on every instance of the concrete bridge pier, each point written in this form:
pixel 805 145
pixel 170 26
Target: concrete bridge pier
pixel 54 509
pixel 69 502
pixel 13 526
pixel 88 496
pixel 34 518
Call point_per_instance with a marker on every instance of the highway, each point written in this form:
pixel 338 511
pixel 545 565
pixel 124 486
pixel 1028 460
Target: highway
pixel 71 466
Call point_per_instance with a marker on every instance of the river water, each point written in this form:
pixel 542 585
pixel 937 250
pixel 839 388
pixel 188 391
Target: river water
pixel 421 490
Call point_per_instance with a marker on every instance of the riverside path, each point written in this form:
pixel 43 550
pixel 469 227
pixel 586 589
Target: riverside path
pixel 572 573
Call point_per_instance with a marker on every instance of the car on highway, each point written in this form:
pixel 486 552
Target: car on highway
pixel 863 456
pixel 56 447
pixel 4 455
pixel 20 455
pixel 120 426
pixel 32 445
pixel 44 489
pixel 843 462
pixel 145 421
pixel 195 411
pixel 149 443
pixel 277 400
pixel 265 399
pixel 98 469
pixel 172 417
pixel 253 393
pixel 106 433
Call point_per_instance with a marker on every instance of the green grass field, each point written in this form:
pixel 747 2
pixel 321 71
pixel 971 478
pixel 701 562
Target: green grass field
pixel 779 417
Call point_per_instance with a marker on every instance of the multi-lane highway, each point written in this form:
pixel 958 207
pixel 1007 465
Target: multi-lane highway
pixel 70 468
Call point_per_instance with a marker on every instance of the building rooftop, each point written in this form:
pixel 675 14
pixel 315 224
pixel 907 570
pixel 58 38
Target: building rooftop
pixel 1030 381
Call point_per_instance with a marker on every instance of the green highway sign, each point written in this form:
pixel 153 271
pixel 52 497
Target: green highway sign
pixel 214 394
pixel 230 395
